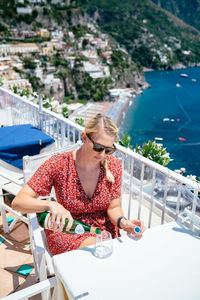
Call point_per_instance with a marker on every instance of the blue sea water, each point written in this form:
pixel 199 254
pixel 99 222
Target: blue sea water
pixel 144 118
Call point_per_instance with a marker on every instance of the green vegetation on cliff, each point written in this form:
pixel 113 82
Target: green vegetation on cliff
pixel 187 10
pixel 149 33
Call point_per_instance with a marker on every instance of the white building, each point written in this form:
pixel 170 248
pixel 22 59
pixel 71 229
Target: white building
pixel 96 71
pixel 6 49
pixel 24 10
pixel 19 83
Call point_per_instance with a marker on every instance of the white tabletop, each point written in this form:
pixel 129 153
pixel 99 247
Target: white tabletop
pixel 163 264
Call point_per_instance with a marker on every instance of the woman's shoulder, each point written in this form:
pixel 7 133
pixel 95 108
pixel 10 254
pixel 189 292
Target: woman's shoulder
pixel 60 158
pixel 113 161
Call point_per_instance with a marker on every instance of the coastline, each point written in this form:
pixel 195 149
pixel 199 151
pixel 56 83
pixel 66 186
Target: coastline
pixel 180 105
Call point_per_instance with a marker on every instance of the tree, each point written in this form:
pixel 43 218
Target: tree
pixel 125 141
pixel 65 112
pixel 80 121
pixel 63 76
pixel 154 152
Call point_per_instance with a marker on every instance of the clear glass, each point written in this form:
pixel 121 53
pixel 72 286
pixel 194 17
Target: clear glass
pixel 104 245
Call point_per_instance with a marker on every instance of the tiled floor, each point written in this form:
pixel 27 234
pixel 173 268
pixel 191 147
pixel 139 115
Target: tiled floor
pixel 16 261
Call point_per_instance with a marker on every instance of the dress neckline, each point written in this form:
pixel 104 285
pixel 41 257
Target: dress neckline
pixel 77 175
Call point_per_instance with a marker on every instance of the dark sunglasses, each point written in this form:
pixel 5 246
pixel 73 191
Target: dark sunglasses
pixel 99 148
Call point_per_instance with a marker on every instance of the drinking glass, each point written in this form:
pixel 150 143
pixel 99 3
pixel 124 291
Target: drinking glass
pixel 104 245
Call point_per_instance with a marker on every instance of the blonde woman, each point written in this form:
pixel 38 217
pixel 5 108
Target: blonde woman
pixel 87 183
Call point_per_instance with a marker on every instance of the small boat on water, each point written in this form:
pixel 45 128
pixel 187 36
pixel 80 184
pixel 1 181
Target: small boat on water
pixel 178 120
pixel 172 120
pixel 178 85
pixel 194 80
pixel 182 139
pixel 184 75
pixel 158 138
pixel 166 120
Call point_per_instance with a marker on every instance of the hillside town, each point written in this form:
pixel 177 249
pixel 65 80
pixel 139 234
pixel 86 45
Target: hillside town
pixel 49 65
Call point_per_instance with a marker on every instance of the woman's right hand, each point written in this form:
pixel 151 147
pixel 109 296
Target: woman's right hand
pixel 59 214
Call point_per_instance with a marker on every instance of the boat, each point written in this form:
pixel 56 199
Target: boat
pixel 172 120
pixel 158 138
pixel 178 120
pixel 178 85
pixel 182 139
pixel 184 75
pixel 194 80
pixel 166 120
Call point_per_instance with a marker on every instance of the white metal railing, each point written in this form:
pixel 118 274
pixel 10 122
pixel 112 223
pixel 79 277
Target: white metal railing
pixel 144 182
pixel 21 111
pixel 172 193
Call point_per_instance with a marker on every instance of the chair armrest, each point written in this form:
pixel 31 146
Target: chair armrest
pixel 36 232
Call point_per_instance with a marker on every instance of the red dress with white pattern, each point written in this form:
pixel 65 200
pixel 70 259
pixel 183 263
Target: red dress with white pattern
pixel 60 171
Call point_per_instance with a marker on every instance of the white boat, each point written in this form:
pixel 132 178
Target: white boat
pixel 178 85
pixel 166 120
pixel 172 120
pixel 158 138
pixel 184 75
pixel 194 80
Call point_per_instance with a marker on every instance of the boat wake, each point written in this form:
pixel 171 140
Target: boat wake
pixel 185 113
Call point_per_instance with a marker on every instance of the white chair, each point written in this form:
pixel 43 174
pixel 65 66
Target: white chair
pixel 11 181
pixel 42 257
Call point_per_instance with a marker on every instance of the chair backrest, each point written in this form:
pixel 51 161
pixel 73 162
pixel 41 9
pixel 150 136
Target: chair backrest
pixel 32 163
pixel 37 236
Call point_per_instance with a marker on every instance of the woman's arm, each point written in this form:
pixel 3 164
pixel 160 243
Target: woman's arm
pixel 115 211
pixel 26 201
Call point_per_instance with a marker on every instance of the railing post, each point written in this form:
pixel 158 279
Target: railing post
pixel 40 109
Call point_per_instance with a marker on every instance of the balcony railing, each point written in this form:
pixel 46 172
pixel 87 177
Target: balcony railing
pixel 145 184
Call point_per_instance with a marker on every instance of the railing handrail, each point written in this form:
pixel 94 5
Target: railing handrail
pixel 55 115
pixel 164 170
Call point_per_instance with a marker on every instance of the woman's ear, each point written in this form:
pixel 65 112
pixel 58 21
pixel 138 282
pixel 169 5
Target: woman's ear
pixel 83 136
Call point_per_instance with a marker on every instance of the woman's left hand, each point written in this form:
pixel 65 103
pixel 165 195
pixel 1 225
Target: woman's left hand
pixel 129 226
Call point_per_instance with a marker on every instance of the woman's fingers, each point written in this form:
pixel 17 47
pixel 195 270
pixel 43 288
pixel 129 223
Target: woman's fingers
pixel 59 215
pixel 131 227
pixel 70 221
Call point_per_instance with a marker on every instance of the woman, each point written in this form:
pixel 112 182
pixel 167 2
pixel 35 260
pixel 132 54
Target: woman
pixel 87 183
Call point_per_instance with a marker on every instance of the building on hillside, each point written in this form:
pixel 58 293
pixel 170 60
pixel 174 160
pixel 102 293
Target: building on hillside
pixel 72 108
pixel 24 10
pixel 71 60
pixel 19 83
pixel 58 34
pixel 47 48
pixel 85 112
pixel 8 74
pixel 107 56
pixel 6 61
pixel 91 55
pixel 96 71
pixel 12 49
pixel 43 32
pixel 19 1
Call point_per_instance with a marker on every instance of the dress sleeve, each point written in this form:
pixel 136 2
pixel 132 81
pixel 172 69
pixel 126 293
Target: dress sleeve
pixel 116 170
pixel 42 181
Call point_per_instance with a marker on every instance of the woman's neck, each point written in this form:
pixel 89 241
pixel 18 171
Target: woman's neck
pixel 83 161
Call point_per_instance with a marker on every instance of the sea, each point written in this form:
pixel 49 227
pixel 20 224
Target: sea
pixel 170 109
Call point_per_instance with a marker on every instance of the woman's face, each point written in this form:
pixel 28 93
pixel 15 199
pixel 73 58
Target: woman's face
pixel 101 138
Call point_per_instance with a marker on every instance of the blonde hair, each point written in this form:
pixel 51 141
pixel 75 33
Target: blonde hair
pixel 101 122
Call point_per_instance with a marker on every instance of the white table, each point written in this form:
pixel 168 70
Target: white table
pixel 163 264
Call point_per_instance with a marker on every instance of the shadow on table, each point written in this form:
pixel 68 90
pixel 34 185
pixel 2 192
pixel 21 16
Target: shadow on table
pixel 185 230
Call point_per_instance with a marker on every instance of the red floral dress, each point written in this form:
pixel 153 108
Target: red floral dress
pixel 60 172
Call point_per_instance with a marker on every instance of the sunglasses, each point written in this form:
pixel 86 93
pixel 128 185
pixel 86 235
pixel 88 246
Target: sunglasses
pixel 99 148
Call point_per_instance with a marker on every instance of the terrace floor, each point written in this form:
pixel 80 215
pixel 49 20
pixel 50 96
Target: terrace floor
pixel 16 261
